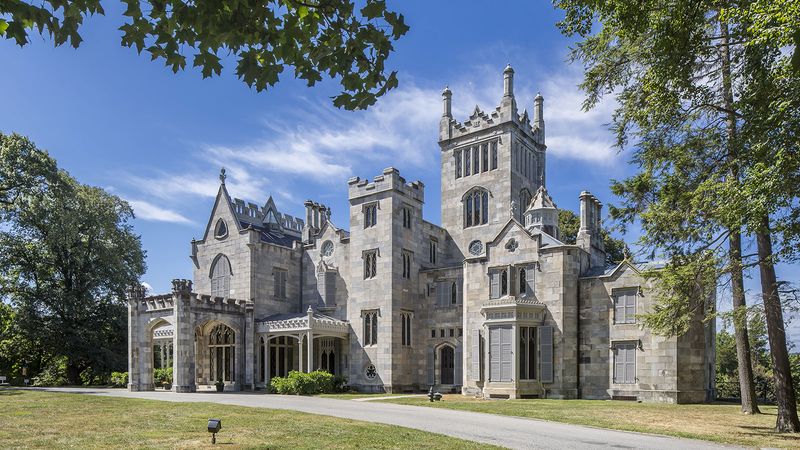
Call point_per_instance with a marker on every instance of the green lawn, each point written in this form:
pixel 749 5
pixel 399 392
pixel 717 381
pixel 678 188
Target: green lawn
pixel 52 420
pixel 714 422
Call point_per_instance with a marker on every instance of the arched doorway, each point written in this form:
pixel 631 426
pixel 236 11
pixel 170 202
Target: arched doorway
pixel 447 364
pixel 222 355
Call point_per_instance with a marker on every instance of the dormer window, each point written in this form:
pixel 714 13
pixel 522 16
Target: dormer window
pixel 221 229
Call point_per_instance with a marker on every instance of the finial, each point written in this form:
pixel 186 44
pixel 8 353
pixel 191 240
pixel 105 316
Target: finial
pixel 508 69
pixel 446 90
pixel 539 96
pixel 222 175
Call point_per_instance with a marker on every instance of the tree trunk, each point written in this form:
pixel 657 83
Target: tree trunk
pixel 784 391
pixel 73 374
pixel 746 385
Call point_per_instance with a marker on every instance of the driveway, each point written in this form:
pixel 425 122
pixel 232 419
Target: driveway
pixel 505 431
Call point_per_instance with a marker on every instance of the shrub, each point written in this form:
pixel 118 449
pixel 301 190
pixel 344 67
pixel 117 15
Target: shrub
pixel 119 379
pixel 162 377
pixel 52 374
pixel 300 383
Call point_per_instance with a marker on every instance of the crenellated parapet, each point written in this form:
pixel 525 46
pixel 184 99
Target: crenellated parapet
pixel 181 287
pixel 389 180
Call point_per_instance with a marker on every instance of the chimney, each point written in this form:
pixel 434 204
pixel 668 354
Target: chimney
pixel 447 98
pixel 538 118
pixel 323 215
pixel 508 81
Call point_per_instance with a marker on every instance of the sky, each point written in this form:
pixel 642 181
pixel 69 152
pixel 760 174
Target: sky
pixel 114 119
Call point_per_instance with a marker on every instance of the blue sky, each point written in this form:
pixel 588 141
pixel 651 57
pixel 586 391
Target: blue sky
pixel 115 119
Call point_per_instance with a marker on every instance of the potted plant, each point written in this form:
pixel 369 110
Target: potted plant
pixel 220 385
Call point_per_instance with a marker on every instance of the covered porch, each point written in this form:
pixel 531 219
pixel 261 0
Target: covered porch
pixel 303 342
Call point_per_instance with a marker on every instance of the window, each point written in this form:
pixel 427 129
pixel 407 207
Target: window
pixel 370 327
pixel 467 162
pixel 221 230
pixel 370 215
pixel 452 332
pixel 523 285
pixel 279 276
pixel 370 264
pixel 457 154
pixel 221 277
pixel 449 293
pixel 526 280
pixel 407 217
pixel 441 332
pixel 433 333
pixel 453 293
pixel 498 283
pixel 432 251
pixel 484 158
pixel 476 207
pixel 405 321
pixel 476 163
pixel 406 264
pixel 524 201
pixel 327 248
pixel 625 363
pixel 625 306
pixel 222 358
pixel 494 155
pixel 460 332
pixel 527 353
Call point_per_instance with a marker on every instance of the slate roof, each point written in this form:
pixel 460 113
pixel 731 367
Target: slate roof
pixel 273 237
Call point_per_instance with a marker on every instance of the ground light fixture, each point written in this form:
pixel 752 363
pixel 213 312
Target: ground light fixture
pixel 214 425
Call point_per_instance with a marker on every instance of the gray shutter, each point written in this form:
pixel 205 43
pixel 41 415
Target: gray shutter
pixel 619 364
pixel 506 353
pixel 546 354
pixel 630 364
pixel 458 372
pixel 476 355
pixel 630 306
pixel 530 280
pixel 494 353
pixel 494 283
pixel 619 308
pixel 431 368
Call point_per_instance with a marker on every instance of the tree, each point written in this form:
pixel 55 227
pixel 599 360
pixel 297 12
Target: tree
pixel 569 223
pixel 675 67
pixel 67 254
pixel 23 168
pixel 315 37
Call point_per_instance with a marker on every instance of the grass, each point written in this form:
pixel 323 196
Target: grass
pixel 53 420
pixel 712 422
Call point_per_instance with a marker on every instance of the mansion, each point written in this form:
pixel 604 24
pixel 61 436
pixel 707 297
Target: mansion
pixel 491 303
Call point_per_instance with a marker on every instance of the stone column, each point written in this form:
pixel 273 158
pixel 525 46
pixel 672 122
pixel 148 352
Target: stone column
pixel 250 335
pixel 310 335
pixel 135 353
pixel 183 365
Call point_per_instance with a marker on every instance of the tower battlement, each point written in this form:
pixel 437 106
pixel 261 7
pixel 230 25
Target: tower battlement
pixel 390 179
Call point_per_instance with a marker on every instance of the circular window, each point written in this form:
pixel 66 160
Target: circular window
pixel 476 247
pixel 370 372
pixel 327 248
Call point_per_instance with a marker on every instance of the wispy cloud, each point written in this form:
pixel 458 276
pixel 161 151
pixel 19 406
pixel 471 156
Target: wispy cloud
pixel 148 211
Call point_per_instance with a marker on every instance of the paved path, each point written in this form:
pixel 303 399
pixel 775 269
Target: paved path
pixel 386 397
pixel 505 431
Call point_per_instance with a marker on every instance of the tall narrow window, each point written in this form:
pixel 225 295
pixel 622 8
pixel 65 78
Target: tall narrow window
pixel 476 163
pixel 467 162
pixel 484 158
pixel 370 215
pixel 407 217
pixel 405 321
pixel 457 156
pixel 370 264
pixel 524 201
pixel 432 251
pixel 370 327
pixel 504 283
pixel 453 293
pixel 279 280
pixel 523 285
pixel 527 353
pixel 494 155
pixel 476 208
pixel 468 212
pixel 484 207
pixel 406 264
pixel 221 277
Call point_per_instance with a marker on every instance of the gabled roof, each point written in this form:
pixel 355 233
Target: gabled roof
pixel 612 270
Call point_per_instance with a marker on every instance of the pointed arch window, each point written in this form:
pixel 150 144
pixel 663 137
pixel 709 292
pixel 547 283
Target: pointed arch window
pixel 221 229
pixel 221 277
pixel 476 207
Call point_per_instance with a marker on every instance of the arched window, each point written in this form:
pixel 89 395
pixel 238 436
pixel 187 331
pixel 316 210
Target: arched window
pixel 476 207
pixel 453 293
pixel 524 202
pixel 523 285
pixel 222 357
pixel 221 229
pixel 221 277
pixel 504 283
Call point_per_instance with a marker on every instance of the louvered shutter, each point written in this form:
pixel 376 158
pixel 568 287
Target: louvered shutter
pixel 431 368
pixel 546 354
pixel 476 355
pixel 506 354
pixel 619 308
pixel 494 285
pixel 630 306
pixel 458 370
pixel 494 353
pixel 630 364
pixel 619 364
pixel 530 278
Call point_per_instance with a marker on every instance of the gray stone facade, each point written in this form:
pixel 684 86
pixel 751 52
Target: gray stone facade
pixel 491 303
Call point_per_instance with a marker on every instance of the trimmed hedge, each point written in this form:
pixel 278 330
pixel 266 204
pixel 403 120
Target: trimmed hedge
pixel 163 377
pixel 119 379
pixel 301 383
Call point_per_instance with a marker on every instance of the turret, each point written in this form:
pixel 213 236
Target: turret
pixel 542 214
pixel 590 234
pixel 538 118
pixel 508 105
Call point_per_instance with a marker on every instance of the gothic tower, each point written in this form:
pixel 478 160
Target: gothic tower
pixel 491 165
